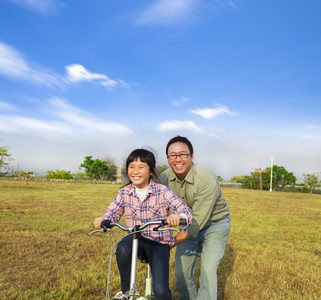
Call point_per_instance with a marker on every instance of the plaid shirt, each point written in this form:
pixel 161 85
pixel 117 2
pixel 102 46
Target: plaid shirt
pixel 159 203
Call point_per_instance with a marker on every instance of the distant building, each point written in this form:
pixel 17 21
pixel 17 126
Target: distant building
pixel 121 175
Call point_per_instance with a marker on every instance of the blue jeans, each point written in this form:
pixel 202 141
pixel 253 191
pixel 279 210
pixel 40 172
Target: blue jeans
pixel 209 246
pixel 158 256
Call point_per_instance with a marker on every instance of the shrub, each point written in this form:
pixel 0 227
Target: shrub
pixel 59 174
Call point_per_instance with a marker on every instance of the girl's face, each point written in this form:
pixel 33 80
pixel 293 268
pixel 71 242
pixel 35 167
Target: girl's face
pixel 139 173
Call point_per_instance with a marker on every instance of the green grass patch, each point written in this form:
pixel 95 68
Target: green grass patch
pixel 273 251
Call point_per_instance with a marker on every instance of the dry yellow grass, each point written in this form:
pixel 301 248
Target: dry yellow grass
pixel 273 252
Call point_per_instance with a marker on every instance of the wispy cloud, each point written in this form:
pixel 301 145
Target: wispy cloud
pixel 173 11
pixel 4 106
pixel 166 11
pixel 75 116
pixel 77 73
pixel 313 132
pixel 313 127
pixel 14 64
pixel 210 113
pixel 16 124
pixel 228 4
pixel 180 101
pixel 66 120
pixel 179 125
pixel 44 7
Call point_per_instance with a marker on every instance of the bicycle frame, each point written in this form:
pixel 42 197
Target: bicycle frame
pixel 135 231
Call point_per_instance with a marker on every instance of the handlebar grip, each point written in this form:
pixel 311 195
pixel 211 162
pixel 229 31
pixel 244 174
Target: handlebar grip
pixel 106 224
pixel 181 222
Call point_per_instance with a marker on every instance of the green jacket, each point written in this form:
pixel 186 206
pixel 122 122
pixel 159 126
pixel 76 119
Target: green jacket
pixel 201 192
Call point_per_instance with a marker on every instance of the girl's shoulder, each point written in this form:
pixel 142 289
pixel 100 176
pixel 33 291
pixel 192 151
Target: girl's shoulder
pixel 157 185
pixel 126 189
pixel 158 188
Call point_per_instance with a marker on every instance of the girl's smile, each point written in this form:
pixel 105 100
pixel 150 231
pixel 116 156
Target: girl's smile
pixel 139 173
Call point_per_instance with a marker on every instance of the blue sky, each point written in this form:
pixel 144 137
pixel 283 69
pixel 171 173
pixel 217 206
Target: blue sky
pixel 240 78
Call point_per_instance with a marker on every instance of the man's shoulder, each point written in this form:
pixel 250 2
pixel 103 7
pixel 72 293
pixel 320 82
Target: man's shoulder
pixel 203 173
pixel 167 173
pixel 163 178
pixel 158 186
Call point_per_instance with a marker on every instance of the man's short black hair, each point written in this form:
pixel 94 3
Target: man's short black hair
pixel 181 139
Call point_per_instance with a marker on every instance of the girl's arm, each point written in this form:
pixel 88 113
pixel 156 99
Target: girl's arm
pixel 177 206
pixel 114 212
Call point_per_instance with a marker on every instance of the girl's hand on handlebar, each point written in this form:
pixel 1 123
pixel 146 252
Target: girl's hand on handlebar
pixel 173 220
pixel 97 222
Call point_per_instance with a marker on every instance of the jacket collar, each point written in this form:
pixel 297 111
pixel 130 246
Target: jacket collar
pixel 151 188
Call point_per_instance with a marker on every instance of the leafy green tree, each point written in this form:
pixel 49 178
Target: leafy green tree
pixel 95 168
pixel 5 157
pixel 219 178
pixel 24 174
pixel 81 175
pixel 59 174
pixel 237 179
pixel 260 179
pixel 311 181
pixel 110 162
pixel 162 168
pixel 246 181
pixel 281 177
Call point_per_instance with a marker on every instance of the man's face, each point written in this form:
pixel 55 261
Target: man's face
pixel 180 165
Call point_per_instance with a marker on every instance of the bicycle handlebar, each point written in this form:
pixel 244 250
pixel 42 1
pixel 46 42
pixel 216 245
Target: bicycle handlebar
pixel 161 227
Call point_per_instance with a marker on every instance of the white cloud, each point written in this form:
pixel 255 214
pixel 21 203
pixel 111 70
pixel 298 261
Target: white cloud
pixel 229 4
pixel 180 101
pixel 210 113
pixel 313 127
pixel 166 11
pixel 13 64
pixel 6 106
pixel 16 124
pixel 308 137
pixel 77 73
pixel 75 116
pixel 314 132
pixel 68 120
pixel 44 7
pixel 173 11
pixel 179 125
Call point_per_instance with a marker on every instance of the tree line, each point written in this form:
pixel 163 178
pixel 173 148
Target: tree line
pixel 106 169
pixel 281 180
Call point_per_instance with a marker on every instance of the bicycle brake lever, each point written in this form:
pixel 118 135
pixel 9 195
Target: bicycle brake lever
pixel 95 231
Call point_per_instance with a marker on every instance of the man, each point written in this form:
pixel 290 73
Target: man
pixel 207 236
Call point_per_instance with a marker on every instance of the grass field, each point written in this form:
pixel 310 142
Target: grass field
pixel 273 251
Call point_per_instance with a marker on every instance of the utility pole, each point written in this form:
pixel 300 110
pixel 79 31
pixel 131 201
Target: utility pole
pixel 272 157
pixel 261 183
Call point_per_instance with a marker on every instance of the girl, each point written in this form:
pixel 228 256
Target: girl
pixel 145 200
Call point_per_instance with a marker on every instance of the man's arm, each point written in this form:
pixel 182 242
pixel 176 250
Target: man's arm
pixel 180 237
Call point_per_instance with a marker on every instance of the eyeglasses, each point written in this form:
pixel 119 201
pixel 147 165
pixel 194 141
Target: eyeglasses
pixel 174 156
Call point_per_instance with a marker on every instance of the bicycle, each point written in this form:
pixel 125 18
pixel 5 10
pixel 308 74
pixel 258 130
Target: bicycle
pixel 135 232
